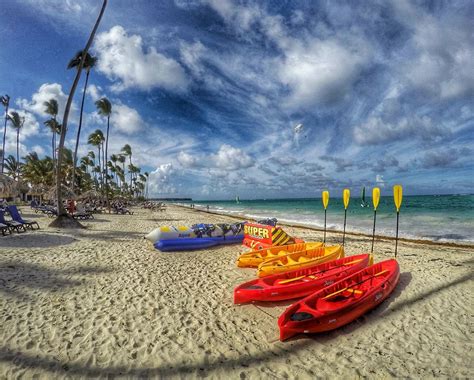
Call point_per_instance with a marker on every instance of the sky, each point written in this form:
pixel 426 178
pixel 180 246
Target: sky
pixel 260 99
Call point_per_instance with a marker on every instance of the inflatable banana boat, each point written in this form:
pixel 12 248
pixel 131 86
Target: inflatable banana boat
pixel 198 236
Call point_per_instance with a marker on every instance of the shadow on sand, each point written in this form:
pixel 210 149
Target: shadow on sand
pixel 16 277
pixel 35 239
pixel 50 364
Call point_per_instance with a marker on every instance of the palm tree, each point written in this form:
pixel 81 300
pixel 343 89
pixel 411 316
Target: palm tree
pixel 52 110
pixel 5 100
pixel 96 139
pixel 12 166
pixel 105 109
pixel 17 123
pixel 55 128
pixel 127 151
pixel 60 221
pixel 146 182
pixel 89 63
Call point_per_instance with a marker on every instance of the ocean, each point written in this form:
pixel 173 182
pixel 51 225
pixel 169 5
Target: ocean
pixel 441 218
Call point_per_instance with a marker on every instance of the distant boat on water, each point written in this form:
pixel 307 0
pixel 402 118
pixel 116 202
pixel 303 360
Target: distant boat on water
pixel 237 199
pixel 363 202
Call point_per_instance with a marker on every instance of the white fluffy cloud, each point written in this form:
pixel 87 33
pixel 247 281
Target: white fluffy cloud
pixel 231 158
pixel 226 158
pixel 46 92
pixel 376 131
pixel 161 181
pixel 443 49
pixel 123 58
pixel 322 71
pixel 126 119
pixel 187 160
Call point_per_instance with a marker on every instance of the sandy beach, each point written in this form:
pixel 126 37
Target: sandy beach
pixel 102 302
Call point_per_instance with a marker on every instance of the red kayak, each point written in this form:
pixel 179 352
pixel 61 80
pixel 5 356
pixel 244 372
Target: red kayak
pixel 299 283
pixel 342 302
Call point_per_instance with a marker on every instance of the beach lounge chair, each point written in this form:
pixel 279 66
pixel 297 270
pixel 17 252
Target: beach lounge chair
pixel 18 218
pixel 82 213
pixel 13 225
pixel 4 228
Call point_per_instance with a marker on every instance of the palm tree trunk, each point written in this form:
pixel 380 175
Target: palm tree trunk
pixel 100 167
pixel 74 159
pixel 61 210
pixel 4 135
pixel 106 169
pixel 18 153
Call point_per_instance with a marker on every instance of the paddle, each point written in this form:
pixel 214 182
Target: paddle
pixel 354 290
pixel 312 274
pixel 397 197
pixel 346 194
pixel 375 201
pixel 325 205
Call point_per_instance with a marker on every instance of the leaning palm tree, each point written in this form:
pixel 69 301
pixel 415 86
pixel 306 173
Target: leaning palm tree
pixel 105 109
pixel 63 220
pixel 89 63
pixel 17 122
pixel 5 100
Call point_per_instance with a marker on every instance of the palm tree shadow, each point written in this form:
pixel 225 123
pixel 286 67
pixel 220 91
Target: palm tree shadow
pixel 52 365
pixel 158 220
pixel 18 278
pixel 35 240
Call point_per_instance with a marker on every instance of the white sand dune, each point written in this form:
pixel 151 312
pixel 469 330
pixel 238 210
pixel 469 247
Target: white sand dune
pixel 102 302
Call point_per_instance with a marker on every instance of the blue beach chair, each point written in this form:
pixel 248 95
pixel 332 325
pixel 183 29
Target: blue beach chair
pixel 18 218
pixel 4 228
pixel 13 225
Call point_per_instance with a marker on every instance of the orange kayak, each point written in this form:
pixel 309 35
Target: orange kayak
pixel 253 259
pixel 300 260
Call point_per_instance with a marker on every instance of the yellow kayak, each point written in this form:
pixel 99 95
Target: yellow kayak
pixel 299 260
pixel 253 259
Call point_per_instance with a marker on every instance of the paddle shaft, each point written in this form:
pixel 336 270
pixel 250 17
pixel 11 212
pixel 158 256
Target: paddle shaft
pixel 344 232
pixel 373 232
pixel 324 240
pixel 318 272
pixel 396 235
pixel 361 282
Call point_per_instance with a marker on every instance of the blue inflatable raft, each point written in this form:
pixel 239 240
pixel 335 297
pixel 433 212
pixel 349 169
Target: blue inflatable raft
pixel 189 244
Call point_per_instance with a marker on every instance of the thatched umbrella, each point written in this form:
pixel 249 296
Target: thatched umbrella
pixel 65 192
pixel 38 190
pixel 91 194
pixel 7 187
pixel 22 187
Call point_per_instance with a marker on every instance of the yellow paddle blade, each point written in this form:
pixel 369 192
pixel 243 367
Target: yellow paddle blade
pixel 346 194
pixel 325 199
pixel 375 197
pixel 397 196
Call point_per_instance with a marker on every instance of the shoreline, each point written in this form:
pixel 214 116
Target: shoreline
pixel 241 217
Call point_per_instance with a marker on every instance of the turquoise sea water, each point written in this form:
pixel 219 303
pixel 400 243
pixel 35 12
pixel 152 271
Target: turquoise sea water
pixel 431 217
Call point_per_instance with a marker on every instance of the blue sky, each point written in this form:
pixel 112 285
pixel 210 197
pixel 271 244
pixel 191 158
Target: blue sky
pixel 208 92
